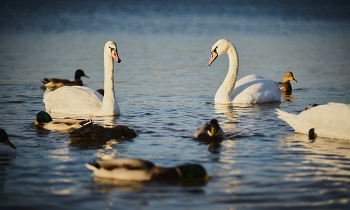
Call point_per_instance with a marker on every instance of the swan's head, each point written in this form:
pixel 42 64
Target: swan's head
pixel 219 48
pixel 111 50
pixel 289 76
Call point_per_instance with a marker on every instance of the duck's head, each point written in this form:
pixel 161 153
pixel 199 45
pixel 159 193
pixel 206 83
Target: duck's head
pixel 80 73
pixel 214 127
pixel 193 171
pixel 219 48
pixel 42 117
pixel 111 50
pixel 289 76
pixel 5 139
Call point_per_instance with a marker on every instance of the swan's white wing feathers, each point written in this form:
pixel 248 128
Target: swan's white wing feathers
pixel 254 89
pixel 73 100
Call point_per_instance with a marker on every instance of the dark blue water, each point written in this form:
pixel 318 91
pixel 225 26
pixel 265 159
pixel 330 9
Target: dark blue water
pixel 163 85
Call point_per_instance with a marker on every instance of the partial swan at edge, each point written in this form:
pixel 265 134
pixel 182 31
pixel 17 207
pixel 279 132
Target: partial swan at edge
pixel 331 120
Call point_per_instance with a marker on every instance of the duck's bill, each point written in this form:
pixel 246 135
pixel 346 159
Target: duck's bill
pixel 213 131
pixel 36 123
pixel 7 142
pixel 86 76
pixel 214 55
pixel 294 80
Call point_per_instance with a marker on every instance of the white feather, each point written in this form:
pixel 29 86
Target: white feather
pixel 331 120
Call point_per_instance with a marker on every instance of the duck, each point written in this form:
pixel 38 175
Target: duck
pixel 56 83
pixel 102 132
pixel 86 101
pixel 143 170
pixel 287 87
pixel 4 139
pixel 251 89
pixel 329 120
pixel 45 121
pixel 210 129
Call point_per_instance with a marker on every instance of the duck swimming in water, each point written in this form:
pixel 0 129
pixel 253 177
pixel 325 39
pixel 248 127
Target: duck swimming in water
pixel 210 129
pixel 45 121
pixel 102 132
pixel 143 170
pixel 56 83
pixel 288 76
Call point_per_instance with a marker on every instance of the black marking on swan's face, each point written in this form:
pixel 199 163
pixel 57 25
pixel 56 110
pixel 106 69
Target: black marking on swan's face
pixel 112 48
pixel 114 52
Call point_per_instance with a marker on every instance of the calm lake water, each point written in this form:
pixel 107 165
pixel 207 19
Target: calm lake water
pixel 164 87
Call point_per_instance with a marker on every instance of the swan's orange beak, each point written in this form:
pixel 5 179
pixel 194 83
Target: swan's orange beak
pixel 214 55
pixel 115 56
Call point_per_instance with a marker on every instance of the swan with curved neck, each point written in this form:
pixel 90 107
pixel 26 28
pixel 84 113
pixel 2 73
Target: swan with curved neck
pixel 84 100
pixel 251 89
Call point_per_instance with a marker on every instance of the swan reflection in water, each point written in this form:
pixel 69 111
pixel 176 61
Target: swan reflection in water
pixel 332 155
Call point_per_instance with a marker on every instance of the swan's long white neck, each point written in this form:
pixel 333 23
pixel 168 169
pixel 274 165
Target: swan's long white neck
pixel 109 101
pixel 223 95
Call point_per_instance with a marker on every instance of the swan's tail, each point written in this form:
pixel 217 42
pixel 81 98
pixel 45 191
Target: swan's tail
pixel 299 126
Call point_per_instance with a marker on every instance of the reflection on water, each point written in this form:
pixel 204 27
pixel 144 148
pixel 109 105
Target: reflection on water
pixel 287 97
pixel 103 185
pixel 321 151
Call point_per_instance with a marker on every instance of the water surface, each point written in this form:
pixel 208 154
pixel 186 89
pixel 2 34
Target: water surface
pixel 166 91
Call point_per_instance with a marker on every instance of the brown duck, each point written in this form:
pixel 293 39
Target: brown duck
pixel 56 83
pixel 286 84
pixel 102 132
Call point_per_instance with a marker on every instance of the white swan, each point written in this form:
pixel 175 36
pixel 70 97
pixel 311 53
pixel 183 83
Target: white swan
pixel 84 100
pixel 331 120
pixel 251 89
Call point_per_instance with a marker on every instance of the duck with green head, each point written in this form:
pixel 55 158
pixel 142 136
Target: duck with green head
pixel 143 170
pixel 5 139
pixel 45 121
